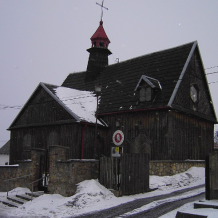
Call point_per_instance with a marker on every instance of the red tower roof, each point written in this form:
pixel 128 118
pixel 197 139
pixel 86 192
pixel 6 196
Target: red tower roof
pixel 99 38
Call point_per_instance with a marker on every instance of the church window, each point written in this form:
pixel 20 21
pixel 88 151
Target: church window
pixel 53 139
pixel 145 93
pixel 27 142
pixel 194 93
pixel 148 88
pixel 101 44
pixel 26 147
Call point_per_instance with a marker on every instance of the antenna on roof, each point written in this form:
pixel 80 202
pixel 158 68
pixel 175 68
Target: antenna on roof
pixel 102 6
pixel 117 60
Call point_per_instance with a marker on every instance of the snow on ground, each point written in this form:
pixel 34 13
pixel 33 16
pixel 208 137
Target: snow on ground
pixel 92 196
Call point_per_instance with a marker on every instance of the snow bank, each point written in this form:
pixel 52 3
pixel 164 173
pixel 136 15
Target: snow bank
pixel 195 175
pixel 89 192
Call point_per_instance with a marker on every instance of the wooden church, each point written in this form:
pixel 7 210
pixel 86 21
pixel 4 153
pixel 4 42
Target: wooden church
pixel 158 103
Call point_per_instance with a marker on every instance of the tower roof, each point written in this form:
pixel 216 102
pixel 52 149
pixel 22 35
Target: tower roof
pixel 100 36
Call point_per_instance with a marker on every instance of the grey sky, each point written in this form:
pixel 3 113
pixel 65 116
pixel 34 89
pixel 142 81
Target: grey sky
pixel 45 40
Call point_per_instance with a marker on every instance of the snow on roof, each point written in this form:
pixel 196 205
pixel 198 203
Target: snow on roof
pixel 81 103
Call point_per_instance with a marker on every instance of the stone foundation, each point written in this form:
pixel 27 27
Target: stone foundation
pixel 169 168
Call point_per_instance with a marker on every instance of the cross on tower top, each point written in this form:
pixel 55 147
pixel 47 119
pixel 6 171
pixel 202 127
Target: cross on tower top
pixel 102 6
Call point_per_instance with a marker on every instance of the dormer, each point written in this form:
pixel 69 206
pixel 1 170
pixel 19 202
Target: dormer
pixel 148 88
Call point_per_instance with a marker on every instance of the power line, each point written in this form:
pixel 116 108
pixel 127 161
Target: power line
pixel 81 96
pixel 210 67
pixel 212 72
pixel 2 107
pixel 213 82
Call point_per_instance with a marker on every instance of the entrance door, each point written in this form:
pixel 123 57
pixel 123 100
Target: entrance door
pixel 44 171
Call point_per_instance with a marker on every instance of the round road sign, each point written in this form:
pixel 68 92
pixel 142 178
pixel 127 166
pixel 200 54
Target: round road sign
pixel 118 137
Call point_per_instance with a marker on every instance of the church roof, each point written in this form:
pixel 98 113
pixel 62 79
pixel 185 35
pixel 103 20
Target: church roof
pixel 80 104
pixel 164 68
pixel 5 149
pixel 119 80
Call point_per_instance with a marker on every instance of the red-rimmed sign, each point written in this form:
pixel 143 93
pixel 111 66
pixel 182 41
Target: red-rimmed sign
pixel 118 137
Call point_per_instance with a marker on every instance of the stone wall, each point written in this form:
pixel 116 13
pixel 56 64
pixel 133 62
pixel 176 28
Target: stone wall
pixel 27 168
pixel 168 167
pixel 63 174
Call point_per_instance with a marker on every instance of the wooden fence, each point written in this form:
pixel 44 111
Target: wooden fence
pixel 128 174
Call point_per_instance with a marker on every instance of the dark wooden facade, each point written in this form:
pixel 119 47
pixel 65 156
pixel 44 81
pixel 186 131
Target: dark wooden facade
pixel 170 126
pixel 171 135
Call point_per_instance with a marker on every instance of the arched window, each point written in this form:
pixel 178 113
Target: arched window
pixel 53 139
pixel 26 147
pixel 27 142
pixel 101 44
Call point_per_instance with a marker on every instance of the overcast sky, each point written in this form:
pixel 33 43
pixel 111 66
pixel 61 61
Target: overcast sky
pixel 45 40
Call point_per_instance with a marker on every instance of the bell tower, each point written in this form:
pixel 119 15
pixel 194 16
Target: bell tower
pixel 99 52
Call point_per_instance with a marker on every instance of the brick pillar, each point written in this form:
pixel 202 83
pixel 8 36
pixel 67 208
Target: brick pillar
pixel 212 176
pixel 57 153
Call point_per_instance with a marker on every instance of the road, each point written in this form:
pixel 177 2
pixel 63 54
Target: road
pixel 121 210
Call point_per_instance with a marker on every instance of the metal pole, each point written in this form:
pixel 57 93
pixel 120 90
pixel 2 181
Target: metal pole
pixel 32 193
pixel 7 188
pixel 95 148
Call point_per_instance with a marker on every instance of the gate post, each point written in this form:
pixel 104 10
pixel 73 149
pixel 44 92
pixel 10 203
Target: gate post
pixel 211 176
pixel 57 153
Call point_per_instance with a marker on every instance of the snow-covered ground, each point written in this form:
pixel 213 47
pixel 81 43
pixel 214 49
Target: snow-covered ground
pixel 92 196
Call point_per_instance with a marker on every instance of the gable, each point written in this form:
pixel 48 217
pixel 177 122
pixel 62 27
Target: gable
pixel 5 149
pixel 50 104
pixel 193 94
pixel 41 109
